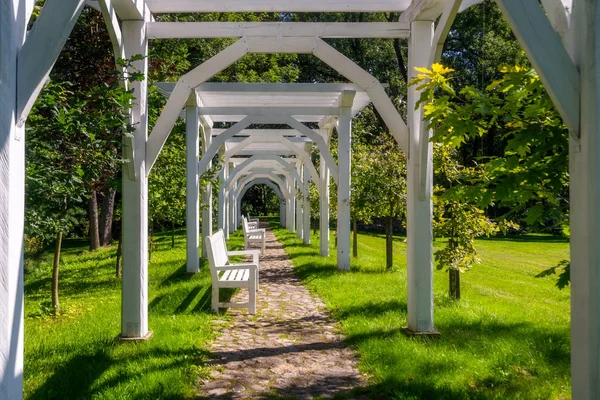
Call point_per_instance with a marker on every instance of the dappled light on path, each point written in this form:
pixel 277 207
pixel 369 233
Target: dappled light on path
pixel 291 348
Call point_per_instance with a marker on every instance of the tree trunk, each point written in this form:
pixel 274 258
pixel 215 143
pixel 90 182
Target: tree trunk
pixel 454 276
pixel 119 252
pixel 389 242
pixel 106 216
pixel 93 218
pixel 55 303
pixel 172 235
pixel 354 239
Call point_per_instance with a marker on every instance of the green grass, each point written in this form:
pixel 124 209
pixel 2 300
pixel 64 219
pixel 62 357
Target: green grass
pixel 75 355
pixel 507 338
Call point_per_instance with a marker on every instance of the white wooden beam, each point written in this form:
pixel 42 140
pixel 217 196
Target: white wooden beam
pixel 275 111
pixel 192 146
pixel 419 210
pixel 220 87
pixel 369 84
pixel 207 210
pixel 559 13
pixel 300 45
pixel 344 184
pixel 584 214
pixel 208 6
pixel 442 29
pixel 41 49
pixel 130 9
pixel 134 304
pixel 93 4
pixel 112 25
pixel 320 142
pixel 218 141
pixel 182 91
pixel 13 22
pixel 548 56
pixel 324 199
pixel 423 10
pixel 298 199
pixel 306 205
pixel 189 30
pixel 262 132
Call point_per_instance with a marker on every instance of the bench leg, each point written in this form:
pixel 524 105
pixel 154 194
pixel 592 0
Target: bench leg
pixel 215 299
pixel 252 298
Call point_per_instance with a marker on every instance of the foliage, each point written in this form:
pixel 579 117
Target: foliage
pixel 260 200
pixel 73 141
pixel 530 175
pixel 378 179
pixel 460 221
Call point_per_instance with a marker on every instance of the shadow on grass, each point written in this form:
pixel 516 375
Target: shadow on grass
pixel 530 238
pixel 87 370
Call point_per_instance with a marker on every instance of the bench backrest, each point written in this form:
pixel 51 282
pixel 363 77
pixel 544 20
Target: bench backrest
pixel 216 249
pixel 245 225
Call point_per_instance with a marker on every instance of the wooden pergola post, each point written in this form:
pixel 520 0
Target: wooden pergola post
pixel 207 210
pixel 344 184
pixel 299 218
pixel 13 20
pixel 192 189
pixel 221 201
pixel 584 172
pixel 134 316
pixel 419 208
pixel 306 207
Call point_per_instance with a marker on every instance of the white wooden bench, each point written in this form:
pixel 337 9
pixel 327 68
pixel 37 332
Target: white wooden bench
pixel 252 236
pixel 253 223
pixel 227 275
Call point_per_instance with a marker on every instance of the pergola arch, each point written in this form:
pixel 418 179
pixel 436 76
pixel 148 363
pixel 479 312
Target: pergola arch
pixel 246 166
pixel 312 45
pixel 267 182
pixel 298 151
pixel 240 168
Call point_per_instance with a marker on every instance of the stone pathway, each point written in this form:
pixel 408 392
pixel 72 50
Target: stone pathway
pixel 291 348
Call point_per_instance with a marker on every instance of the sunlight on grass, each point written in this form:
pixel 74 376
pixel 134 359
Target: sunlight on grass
pixel 507 338
pixel 75 356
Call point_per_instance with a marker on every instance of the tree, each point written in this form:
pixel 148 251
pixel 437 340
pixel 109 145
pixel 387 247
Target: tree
pixel 455 218
pixel 87 58
pixel 529 178
pixel 64 155
pixel 379 185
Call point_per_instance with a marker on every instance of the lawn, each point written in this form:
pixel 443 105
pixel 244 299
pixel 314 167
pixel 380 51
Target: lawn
pixel 75 355
pixel 507 338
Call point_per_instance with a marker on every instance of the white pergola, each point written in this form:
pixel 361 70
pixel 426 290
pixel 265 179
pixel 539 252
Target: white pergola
pixel 560 37
pixel 293 105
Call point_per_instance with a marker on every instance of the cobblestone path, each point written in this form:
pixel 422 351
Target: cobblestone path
pixel 291 348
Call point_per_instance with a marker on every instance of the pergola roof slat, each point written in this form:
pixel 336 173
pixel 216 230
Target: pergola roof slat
pixel 207 6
